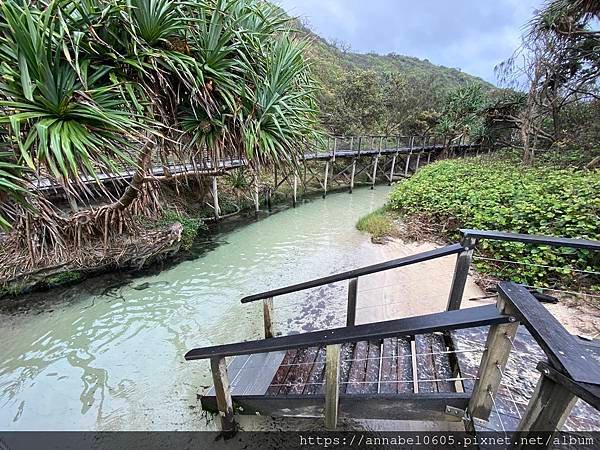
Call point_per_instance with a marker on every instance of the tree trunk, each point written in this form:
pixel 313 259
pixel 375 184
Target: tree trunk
pixel 132 191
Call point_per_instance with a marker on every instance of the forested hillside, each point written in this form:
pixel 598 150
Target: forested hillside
pixel 370 93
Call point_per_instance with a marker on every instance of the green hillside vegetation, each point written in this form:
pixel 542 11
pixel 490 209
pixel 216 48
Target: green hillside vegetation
pixel 370 93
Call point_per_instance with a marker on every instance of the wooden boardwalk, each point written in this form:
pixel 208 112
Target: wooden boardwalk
pixel 208 167
pixel 504 367
pixel 405 365
pixel 519 380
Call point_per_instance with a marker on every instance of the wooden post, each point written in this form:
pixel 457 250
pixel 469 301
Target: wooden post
pixel 295 188
pixel 332 385
pixel 418 161
pixel 375 164
pixel 215 193
pixel 352 296
pixel 268 198
pixel 352 175
pixel 393 168
pixel 334 148
pixel 429 158
pixel 326 179
pixel 461 272
pixel 218 367
pixel 412 143
pixel 268 317
pixel 256 199
pixel 547 412
pixel 493 362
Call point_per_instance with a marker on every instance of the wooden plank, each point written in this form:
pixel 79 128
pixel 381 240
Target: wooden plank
pixel 251 374
pixel 389 367
pixel 441 364
pixel 358 369
pixel 301 373
pixel 425 370
pixel 546 413
pixel 294 375
pixel 315 383
pixel 426 407
pixel 345 364
pixel 254 377
pixel 445 321
pixel 405 365
pixel 332 386
pixel 394 264
pixel 351 307
pixel 373 368
pixel 282 372
pixel 562 349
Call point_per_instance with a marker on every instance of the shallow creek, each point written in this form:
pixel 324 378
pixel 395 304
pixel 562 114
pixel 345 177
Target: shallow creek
pixel 111 358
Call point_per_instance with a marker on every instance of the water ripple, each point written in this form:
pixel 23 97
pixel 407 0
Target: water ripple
pixel 115 361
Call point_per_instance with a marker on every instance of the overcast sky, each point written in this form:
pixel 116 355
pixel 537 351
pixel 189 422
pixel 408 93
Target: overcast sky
pixel 472 35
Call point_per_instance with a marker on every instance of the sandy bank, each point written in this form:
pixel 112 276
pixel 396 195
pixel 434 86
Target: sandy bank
pixel 409 291
pixel 424 289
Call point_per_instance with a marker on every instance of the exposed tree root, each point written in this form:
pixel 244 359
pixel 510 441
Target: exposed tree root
pixel 47 241
pixel 125 251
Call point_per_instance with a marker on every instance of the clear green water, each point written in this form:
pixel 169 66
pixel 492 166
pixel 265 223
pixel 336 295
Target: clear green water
pixel 114 361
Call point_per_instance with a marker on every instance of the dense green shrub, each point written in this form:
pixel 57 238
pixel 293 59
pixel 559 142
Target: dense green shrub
pixel 503 196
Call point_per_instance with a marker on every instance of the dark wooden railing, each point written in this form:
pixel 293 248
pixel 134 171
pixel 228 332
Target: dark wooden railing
pixel 572 370
pixel 351 276
pixel 469 241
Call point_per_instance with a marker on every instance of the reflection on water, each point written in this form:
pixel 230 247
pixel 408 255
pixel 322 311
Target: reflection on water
pixel 114 361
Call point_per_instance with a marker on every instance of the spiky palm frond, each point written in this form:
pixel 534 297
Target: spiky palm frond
pixel 156 20
pixel 83 82
pixel 12 185
pixel 283 108
pixel 67 116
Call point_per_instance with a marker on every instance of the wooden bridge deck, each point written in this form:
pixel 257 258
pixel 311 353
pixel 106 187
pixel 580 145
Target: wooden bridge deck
pixel 420 364
pixel 519 380
pixel 209 167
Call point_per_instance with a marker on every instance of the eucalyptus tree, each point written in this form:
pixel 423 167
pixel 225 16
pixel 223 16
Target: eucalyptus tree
pixel 559 64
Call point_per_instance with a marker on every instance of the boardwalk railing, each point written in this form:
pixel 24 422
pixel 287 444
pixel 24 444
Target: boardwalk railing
pixel 470 239
pixel 413 148
pixel 570 373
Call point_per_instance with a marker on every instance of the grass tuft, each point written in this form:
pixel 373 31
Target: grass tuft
pixel 378 224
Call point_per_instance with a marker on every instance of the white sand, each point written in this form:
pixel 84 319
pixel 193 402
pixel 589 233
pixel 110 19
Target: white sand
pixel 409 291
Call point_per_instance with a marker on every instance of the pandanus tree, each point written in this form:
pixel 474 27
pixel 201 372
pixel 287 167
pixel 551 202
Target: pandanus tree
pixel 92 87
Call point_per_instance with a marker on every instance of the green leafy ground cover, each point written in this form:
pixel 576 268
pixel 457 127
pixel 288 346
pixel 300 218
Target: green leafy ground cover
pixel 505 196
